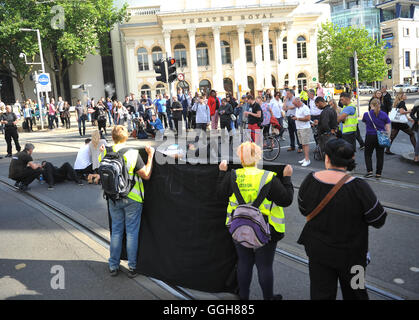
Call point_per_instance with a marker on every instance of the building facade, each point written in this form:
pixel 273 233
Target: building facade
pixel 220 45
pixel 345 13
pixel 400 31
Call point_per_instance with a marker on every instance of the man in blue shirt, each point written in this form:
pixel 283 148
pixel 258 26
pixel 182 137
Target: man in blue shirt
pixel 182 98
pixel 161 109
pixel 157 126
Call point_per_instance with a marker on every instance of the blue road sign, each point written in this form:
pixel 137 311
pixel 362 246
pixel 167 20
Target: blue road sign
pixel 43 79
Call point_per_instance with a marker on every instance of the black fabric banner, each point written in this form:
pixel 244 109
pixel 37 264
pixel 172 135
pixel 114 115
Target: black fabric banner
pixel 183 238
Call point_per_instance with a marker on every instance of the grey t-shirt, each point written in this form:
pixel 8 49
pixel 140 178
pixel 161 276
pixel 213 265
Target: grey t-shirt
pixel 288 103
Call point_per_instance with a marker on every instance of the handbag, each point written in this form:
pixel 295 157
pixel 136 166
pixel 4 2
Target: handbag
pixel 396 116
pixel 383 139
pixel 328 197
pixel 233 117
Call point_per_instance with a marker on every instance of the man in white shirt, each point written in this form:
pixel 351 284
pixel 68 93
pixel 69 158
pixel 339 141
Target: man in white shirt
pixel 314 111
pixel 276 106
pixel 302 122
pixel 289 108
pixel 83 164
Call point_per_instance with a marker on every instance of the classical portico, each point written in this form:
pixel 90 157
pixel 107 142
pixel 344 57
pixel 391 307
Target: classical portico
pixel 237 49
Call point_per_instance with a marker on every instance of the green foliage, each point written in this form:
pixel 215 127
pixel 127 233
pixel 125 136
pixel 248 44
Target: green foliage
pixel 335 45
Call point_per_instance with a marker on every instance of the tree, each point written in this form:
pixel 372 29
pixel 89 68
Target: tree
pixel 13 16
pixel 335 45
pixel 73 29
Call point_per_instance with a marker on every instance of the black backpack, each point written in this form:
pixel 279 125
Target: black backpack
pixel 114 176
pixel 101 114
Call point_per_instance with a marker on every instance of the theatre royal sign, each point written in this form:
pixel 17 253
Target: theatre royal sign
pixel 228 18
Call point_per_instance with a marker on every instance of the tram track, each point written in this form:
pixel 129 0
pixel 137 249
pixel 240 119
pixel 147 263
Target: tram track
pixel 177 291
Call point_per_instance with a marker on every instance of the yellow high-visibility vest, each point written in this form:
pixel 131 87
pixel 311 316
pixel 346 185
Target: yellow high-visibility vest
pixel 350 123
pixel 250 181
pixel 130 158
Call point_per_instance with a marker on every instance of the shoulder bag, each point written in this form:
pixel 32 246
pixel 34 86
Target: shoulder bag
pixel 396 116
pixel 383 139
pixel 328 197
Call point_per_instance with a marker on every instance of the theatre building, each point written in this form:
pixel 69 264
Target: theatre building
pixel 220 45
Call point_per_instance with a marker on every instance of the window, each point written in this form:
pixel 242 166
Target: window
pixel 160 89
pixel 228 85
pixel 184 86
pixel 301 48
pixel 225 52
pixel 202 54
pixel 249 51
pixel 284 48
pixel 286 82
pixel 205 87
pixel 273 81
pixel 180 56
pixel 301 81
pixel 407 59
pixel 251 85
pixel 271 51
pixel 142 59
pixel 406 32
pixel 157 54
pixel 145 89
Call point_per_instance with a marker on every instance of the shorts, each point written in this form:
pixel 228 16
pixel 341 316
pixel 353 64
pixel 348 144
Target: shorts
pixel 304 135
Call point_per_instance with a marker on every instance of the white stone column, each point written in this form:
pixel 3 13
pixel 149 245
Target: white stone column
pixel 242 58
pixel 292 56
pixel 194 61
pixel 280 59
pixel 267 57
pixel 312 56
pixel 218 72
pixel 132 67
pixel 167 44
pixel 259 63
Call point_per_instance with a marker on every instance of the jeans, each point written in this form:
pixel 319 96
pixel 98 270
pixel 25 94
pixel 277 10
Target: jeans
pixel 371 143
pixel 163 118
pixel 292 130
pixel 110 117
pixel 125 213
pixel 9 134
pixel 82 120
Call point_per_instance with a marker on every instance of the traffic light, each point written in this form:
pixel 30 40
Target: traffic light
pixel 160 69
pixel 390 74
pixel 352 66
pixel 171 67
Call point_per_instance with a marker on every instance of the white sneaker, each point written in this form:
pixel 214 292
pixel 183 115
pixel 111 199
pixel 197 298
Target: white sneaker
pixel 306 163
pixel 302 161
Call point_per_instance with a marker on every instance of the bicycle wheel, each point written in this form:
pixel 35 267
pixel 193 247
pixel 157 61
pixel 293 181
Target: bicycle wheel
pixel 271 148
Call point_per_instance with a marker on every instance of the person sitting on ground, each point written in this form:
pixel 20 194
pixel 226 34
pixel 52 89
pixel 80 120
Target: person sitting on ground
pixel 94 148
pixel 83 164
pixel 52 174
pixel 22 169
pixel 156 125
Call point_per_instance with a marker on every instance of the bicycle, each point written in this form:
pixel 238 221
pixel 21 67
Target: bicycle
pixel 271 144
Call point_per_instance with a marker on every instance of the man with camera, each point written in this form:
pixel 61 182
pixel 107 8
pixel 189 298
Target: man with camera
pixel 9 120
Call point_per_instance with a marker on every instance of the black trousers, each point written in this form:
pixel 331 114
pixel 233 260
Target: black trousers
pixel 53 175
pixel 359 138
pixel 29 123
pixel 84 172
pixel 371 143
pixel 177 122
pixel 351 138
pixel 27 175
pixel 101 124
pixel 66 122
pixel 324 282
pixel 201 128
pixel 263 258
pixel 292 130
pixel 9 134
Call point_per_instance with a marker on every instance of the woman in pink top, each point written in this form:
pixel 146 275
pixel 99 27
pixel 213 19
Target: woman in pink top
pixel 320 91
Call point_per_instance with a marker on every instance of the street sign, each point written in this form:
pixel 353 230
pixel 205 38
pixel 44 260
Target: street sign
pixel 389 61
pixel 314 79
pixel 43 82
pixel 181 77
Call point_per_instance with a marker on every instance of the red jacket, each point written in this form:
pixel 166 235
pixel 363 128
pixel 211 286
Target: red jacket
pixel 212 104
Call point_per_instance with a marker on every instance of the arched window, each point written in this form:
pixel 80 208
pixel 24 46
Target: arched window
pixel 284 48
pixel 184 86
pixel 251 85
pixel 157 54
pixel 205 87
pixel 180 56
pixel 142 59
pixel 273 81
pixel 160 89
pixel 249 51
pixel 301 48
pixel 202 54
pixel 145 89
pixel 228 85
pixel 271 51
pixel 225 52
pixel 301 81
pixel 286 82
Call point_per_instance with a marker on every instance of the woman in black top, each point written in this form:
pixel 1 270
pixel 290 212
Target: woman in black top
pixel 415 116
pixel 336 239
pixel 379 96
pixel 399 103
